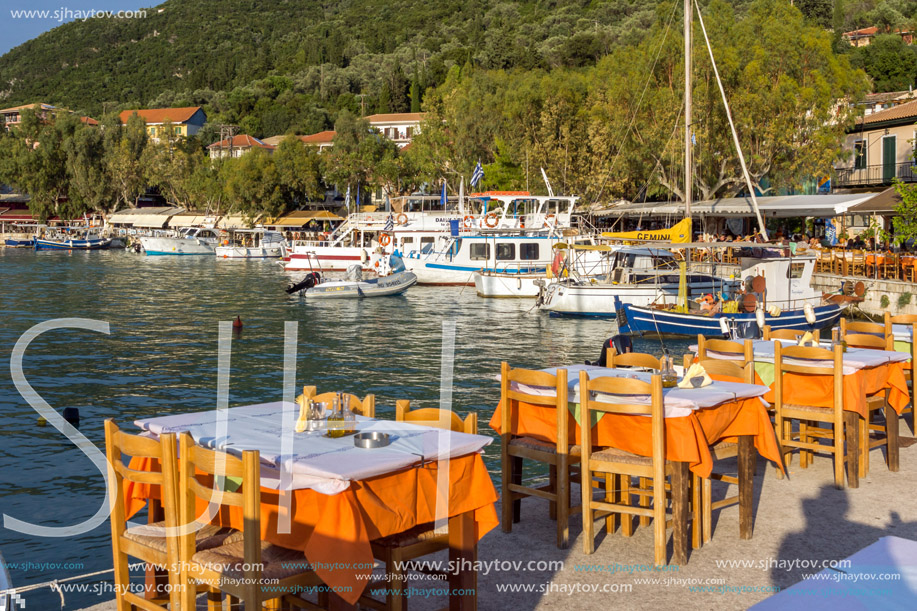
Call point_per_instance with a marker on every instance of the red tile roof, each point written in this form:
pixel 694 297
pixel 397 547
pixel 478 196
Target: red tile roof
pixel 397 117
pixel 240 141
pixel 161 115
pixel 901 111
pixel 325 137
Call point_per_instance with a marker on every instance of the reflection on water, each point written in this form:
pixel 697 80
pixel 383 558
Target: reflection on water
pixel 161 357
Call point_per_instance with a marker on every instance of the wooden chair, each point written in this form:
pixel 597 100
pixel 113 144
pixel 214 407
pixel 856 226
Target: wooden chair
pixel 834 417
pixel 438 418
pixel 632 359
pixel 861 327
pixel 726 350
pixel 559 456
pixel 720 369
pixel 396 550
pixel 857 264
pixel 249 569
pixel 793 334
pixel 825 262
pixel 865 340
pixel 891 266
pixel 617 464
pixel 905 319
pixel 148 543
pixel 366 407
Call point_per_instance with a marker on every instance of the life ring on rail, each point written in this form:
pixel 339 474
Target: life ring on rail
pixel 402 219
pixel 468 222
pixel 491 216
pixel 546 223
pixel 385 239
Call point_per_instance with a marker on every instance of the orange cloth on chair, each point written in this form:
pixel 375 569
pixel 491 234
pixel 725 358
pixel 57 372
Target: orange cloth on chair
pixel 334 531
pixel 818 390
pixel 688 438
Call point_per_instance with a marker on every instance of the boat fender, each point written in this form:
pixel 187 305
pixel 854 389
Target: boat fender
pixel 724 325
pixel 237 323
pixel 364 256
pixel 809 311
pixel 775 311
pixel 759 317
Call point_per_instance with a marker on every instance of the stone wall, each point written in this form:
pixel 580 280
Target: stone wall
pixel 875 289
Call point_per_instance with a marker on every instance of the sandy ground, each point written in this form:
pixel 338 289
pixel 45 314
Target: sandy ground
pixel 797 520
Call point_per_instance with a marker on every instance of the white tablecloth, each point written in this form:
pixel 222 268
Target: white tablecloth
pixel 315 461
pixel 903 333
pixel 864 584
pixel 678 402
pixel 854 359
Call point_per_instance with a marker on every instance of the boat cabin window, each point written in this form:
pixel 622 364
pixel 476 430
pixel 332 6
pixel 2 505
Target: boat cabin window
pixel 426 244
pixel 528 251
pixel 506 252
pixel 795 270
pixel 406 241
pixel 479 251
pixel 427 240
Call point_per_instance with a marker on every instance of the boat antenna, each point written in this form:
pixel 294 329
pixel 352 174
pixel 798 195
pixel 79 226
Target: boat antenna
pixel 732 127
pixel 547 183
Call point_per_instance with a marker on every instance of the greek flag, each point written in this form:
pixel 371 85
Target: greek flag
pixel 390 223
pixel 477 175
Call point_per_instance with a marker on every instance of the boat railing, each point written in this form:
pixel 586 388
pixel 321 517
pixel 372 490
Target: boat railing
pixel 517 267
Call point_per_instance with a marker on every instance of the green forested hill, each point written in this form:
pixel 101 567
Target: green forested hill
pixel 188 51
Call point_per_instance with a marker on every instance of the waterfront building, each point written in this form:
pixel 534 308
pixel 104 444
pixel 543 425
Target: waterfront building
pixel 185 121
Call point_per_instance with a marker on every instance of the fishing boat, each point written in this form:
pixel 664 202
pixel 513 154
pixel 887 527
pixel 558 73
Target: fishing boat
pixel 19 242
pixel 85 240
pixel 353 286
pixel 188 241
pixel 639 276
pixel 252 244
pixel 511 280
pixel 776 291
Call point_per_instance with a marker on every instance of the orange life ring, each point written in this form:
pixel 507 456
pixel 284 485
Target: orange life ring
pixel 550 216
pixel 468 222
pixel 385 239
pixel 491 216
pixel 402 219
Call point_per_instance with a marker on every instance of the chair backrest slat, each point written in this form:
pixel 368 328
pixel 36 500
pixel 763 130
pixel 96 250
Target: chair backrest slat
pixel 511 397
pixel 435 417
pixel 722 367
pixel 866 340
pixel 633 359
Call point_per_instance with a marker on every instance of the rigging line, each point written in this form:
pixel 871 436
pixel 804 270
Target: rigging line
pixel 735 135
pixel 646 85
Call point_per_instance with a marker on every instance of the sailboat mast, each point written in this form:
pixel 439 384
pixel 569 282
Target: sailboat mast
pixel 689 180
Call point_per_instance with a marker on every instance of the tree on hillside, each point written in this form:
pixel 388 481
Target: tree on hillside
pixel 361 157
pixel 299 170
pixel 90 183
pixel 820 12
pixel 890 62
pixel 124 146
pixel 253 185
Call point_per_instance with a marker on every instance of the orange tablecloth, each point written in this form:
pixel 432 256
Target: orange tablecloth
pixel 688 439
pixel 334 531
pixel 819 390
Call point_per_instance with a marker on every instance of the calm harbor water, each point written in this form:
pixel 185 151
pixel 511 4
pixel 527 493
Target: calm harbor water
pixel 161 358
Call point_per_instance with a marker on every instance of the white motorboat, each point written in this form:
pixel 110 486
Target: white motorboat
pixel 353 286
pixel 635 275
pixel 188 241
pixel 252 244
pixel 514 280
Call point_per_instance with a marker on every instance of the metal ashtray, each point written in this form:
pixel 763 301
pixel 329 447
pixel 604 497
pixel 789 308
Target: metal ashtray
pixel 370 440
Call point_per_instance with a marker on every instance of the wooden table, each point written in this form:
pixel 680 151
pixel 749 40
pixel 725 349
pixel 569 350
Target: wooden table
pixel 866 372
pixel 689 433
pixel 333 521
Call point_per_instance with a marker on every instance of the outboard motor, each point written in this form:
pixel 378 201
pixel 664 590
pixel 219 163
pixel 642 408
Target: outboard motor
pixel 621 343
pixel 311 279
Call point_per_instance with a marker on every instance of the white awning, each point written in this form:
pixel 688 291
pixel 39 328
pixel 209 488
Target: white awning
pixel 234 221
pixel 150 221
pixel 192 220
pixel 782 206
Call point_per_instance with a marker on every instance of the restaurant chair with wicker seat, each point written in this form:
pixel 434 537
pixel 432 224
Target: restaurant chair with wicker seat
pixel 249 568
pixel 857 265
pixel 396 550
pixel 632 359
pixel 842 424
pixel 911 372
pixel 149 542
pixel 560 455
pixel 617 464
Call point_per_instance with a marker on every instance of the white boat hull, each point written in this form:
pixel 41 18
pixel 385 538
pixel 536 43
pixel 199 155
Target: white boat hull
pixel 386 286
pixel 326 258
pixel 507 285
pixel 176 246
pixel 274 251
pixel 597 300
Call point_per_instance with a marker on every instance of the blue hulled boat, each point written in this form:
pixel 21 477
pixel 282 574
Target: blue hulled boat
pixel 88 243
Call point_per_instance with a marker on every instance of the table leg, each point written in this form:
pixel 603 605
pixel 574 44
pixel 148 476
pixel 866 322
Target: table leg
pixel 891 429
pixel 747 459
pixel 155 579
pixel 463 555
pixel 680 479
pixel 853 448
pixel 336 603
